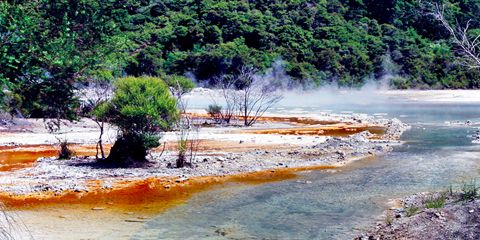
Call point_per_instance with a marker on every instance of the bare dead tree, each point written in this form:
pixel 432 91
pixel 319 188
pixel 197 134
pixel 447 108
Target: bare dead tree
pixel 468 45
pixel 99 92
pixel 231 97
pixel 257 95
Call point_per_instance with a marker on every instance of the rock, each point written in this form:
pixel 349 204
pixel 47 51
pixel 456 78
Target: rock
pixel 182 179
pixel 98 208
pixel 220 159
pixel 135 220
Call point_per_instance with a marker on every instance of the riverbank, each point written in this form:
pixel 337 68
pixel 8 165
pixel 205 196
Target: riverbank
pixel 424 216
pixel 275 149
pixel 221 151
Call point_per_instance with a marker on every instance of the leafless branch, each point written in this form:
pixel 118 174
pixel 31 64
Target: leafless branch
pixel 469 46
pixel 258 95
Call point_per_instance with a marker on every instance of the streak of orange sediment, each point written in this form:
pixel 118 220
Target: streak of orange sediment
pixel 152 195
pixel 17 157
pixel 329 130
pixel 295 120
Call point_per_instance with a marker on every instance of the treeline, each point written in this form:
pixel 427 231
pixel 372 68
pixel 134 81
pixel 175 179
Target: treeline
pixel 50 47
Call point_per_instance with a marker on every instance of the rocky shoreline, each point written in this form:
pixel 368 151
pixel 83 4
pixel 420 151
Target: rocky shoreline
pixel 426 216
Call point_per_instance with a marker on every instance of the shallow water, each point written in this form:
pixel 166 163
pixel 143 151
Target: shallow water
pixel 335 205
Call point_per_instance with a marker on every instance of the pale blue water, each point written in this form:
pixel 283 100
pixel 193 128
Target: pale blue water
pixel 336 204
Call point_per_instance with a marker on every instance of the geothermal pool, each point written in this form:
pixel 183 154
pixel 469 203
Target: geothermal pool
pixel 335 204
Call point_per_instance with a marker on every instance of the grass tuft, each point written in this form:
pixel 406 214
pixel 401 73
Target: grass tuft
pixel 469 191
pixel 410 211
pixel 436 202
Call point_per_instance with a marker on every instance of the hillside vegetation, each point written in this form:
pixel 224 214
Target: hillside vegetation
pixel 48 48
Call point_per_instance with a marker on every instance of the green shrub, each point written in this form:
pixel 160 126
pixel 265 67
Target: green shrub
pixel 469 191
pixel 215 111
pixel 410 211
pixel 436 202
pixel 141 107
pixel 179 85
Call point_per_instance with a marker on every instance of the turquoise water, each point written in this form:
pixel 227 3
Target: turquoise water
pixel 335 205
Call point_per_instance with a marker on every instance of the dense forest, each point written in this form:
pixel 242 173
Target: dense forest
pixel 48 48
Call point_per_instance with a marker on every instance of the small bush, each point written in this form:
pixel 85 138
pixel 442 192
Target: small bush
pixel 182 148
pixel 215 112
pixel 65 152
pixel 410 211
pixel 436 202
pixel 141 107
pixel 179 85
pixel 469 191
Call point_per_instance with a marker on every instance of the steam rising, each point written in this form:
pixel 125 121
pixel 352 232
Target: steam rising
pixel 296 94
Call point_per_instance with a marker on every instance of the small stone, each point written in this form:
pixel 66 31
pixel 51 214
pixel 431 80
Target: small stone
pixel 182 179
pixel 98 208
pixel 135 220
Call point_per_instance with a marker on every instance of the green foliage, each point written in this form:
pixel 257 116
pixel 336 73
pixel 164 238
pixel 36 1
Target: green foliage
pixel 182 147
pixel 215 112
pixel 469 191
pixel 436 202
pixel 410 211
pixel 140 107
pixel 180 85
pixel 48 48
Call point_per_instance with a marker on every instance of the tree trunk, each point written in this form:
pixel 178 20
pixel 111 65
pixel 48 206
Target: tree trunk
pixel 127 151
pixel 100 141
pixel 245 109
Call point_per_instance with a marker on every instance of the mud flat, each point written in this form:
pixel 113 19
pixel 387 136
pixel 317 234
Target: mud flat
pixel 80 191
